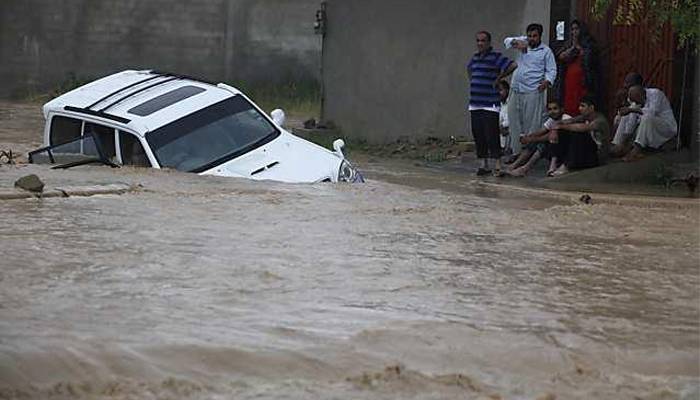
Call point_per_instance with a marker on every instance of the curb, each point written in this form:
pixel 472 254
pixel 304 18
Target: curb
pixel 69 191
pixel 600 198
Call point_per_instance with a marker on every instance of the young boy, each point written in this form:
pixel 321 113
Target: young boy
pixel 535 143
pixel 503 91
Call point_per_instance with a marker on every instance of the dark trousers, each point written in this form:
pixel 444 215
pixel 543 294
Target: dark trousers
pixel 575 150
pixel 486 133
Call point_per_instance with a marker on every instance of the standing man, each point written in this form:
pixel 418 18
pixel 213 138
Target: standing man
pixel 485 69
pixel 537 70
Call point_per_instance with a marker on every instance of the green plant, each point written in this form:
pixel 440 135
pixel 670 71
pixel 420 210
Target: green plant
pixel 298 99
pixel 683 15
pixel 69 83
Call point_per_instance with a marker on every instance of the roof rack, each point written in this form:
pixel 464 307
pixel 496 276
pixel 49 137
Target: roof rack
pixel 119 100
pixel 181 76
pixel 156 74
pixel 97 114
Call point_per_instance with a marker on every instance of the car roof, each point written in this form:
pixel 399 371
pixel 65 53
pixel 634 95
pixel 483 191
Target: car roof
pixel 142 100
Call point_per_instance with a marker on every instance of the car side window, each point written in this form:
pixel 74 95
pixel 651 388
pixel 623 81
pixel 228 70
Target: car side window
pixel 104 136
pixel 64 129
pixel 132 151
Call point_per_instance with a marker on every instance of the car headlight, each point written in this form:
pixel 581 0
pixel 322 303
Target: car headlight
pixel 348 173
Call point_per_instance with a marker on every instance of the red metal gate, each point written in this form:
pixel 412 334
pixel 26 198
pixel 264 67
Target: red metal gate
pixel 625 49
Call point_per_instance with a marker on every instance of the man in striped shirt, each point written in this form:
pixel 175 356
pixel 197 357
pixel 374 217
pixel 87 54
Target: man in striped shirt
pixel 485 69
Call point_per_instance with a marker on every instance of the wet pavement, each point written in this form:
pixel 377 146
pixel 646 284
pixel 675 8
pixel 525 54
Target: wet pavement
pixel 418 284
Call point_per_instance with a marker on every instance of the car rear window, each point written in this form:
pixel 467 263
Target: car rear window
pixel 64 129
pixel 165 100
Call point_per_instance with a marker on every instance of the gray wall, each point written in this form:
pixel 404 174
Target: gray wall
pixel 395 68
pixel 43 41
pixel 695 138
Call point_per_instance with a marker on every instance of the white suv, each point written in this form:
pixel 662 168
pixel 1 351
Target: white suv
pixel 163 120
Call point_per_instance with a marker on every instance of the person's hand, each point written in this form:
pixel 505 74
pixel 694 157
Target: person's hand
pixel 553 136
pixel 524 139
pixel 543 86
pixel 628 110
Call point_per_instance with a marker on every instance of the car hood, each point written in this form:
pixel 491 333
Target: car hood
pixel 286 159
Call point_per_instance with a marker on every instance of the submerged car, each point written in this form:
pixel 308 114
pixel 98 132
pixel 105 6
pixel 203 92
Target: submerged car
pixel 163 120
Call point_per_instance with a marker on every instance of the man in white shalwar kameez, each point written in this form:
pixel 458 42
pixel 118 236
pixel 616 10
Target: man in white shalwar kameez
pixel 656 124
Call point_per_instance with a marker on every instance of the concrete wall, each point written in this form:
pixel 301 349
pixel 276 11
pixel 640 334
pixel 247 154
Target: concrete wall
pixel 395 68
pixel 43 41
pixel 695 139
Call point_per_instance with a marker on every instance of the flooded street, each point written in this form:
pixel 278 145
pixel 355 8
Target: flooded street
pixel 415 285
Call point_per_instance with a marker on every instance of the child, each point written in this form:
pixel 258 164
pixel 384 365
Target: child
pixel 503 91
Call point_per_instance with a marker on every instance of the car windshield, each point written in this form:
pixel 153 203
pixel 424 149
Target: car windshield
pixel 211 136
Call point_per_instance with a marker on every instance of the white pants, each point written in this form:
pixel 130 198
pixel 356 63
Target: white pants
pixel 525 115
pixel 625 128
pixel 654 132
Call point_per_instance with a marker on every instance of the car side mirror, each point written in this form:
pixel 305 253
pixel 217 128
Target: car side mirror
pixel 338 146
pixel 278 116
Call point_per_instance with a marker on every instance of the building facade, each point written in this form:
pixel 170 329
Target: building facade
pixel 43 42
pixel 396 68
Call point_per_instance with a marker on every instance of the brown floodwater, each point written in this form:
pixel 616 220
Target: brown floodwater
pixel 416 285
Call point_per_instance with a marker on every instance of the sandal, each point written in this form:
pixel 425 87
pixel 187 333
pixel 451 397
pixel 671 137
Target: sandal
pixel 498 173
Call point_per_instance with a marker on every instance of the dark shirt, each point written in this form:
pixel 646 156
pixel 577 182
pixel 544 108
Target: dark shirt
pixel 600 133
pixel 484 69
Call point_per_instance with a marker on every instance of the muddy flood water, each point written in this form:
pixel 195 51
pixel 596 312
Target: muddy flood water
pixel 416 285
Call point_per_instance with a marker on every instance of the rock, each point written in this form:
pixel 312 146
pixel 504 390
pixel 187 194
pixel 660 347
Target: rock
pixel 31 183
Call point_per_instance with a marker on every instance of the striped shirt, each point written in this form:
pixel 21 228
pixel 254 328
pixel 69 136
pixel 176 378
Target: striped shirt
pixel 484 69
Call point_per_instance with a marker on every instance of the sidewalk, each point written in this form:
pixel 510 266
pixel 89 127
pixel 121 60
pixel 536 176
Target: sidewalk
pixel 657 176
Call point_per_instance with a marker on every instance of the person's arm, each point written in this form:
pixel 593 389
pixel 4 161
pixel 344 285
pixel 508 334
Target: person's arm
pixel 579 127
pixel 515 42
pixel 509 70
pixel 565 55
pixel 574 120
pixel 550 71
pixel 654 103
pixel 538 136
pixel 627 110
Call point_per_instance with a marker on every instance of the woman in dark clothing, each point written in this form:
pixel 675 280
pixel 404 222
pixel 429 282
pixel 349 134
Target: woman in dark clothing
pixel 578 74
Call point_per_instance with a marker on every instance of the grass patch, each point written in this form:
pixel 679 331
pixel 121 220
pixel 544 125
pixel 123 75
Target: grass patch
pixel 301 100
pixel 70 82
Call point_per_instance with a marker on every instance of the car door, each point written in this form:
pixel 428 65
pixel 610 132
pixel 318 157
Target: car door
pixel 74 141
